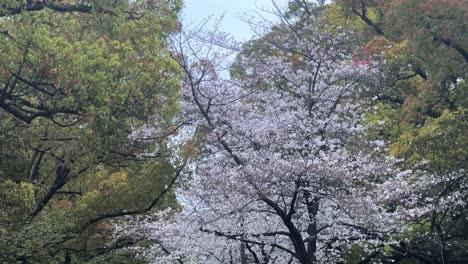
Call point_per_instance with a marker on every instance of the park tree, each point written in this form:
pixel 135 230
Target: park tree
pixel 79 81
pixel 423 44
pixel 338 139
pixel 422 47
pixel 284 173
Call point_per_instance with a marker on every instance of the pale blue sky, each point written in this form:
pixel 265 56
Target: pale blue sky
pixel 196 10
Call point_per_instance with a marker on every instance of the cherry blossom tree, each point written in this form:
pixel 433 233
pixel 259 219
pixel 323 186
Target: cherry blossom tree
pixel 273 172
pixel 285 172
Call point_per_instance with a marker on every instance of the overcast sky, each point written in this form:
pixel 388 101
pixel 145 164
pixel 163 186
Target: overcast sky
pixel 196 10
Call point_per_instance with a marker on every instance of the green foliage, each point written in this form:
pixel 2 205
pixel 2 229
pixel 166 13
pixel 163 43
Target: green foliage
pixel 335 15
pixel 460 93
pixel 420 47
pixel 354 254
pixel 16 200
pixel 440 146
pixel 383 122
pixel 73 86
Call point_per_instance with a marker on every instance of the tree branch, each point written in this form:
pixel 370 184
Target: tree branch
pixel 38 5
pixel 153 203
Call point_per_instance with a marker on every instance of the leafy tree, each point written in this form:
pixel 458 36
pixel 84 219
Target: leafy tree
pixel 79 79
pixel 423 44
pixel 421 47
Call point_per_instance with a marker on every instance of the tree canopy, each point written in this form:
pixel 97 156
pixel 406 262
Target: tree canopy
pixel 78 81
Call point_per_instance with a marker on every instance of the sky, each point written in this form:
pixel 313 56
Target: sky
pixel 196 11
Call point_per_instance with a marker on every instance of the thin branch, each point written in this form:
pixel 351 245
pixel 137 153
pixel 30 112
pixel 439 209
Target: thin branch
pixel 148 208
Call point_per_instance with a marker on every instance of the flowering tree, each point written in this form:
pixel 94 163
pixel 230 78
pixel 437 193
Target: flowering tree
pixel 285 171
pixel 274 172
